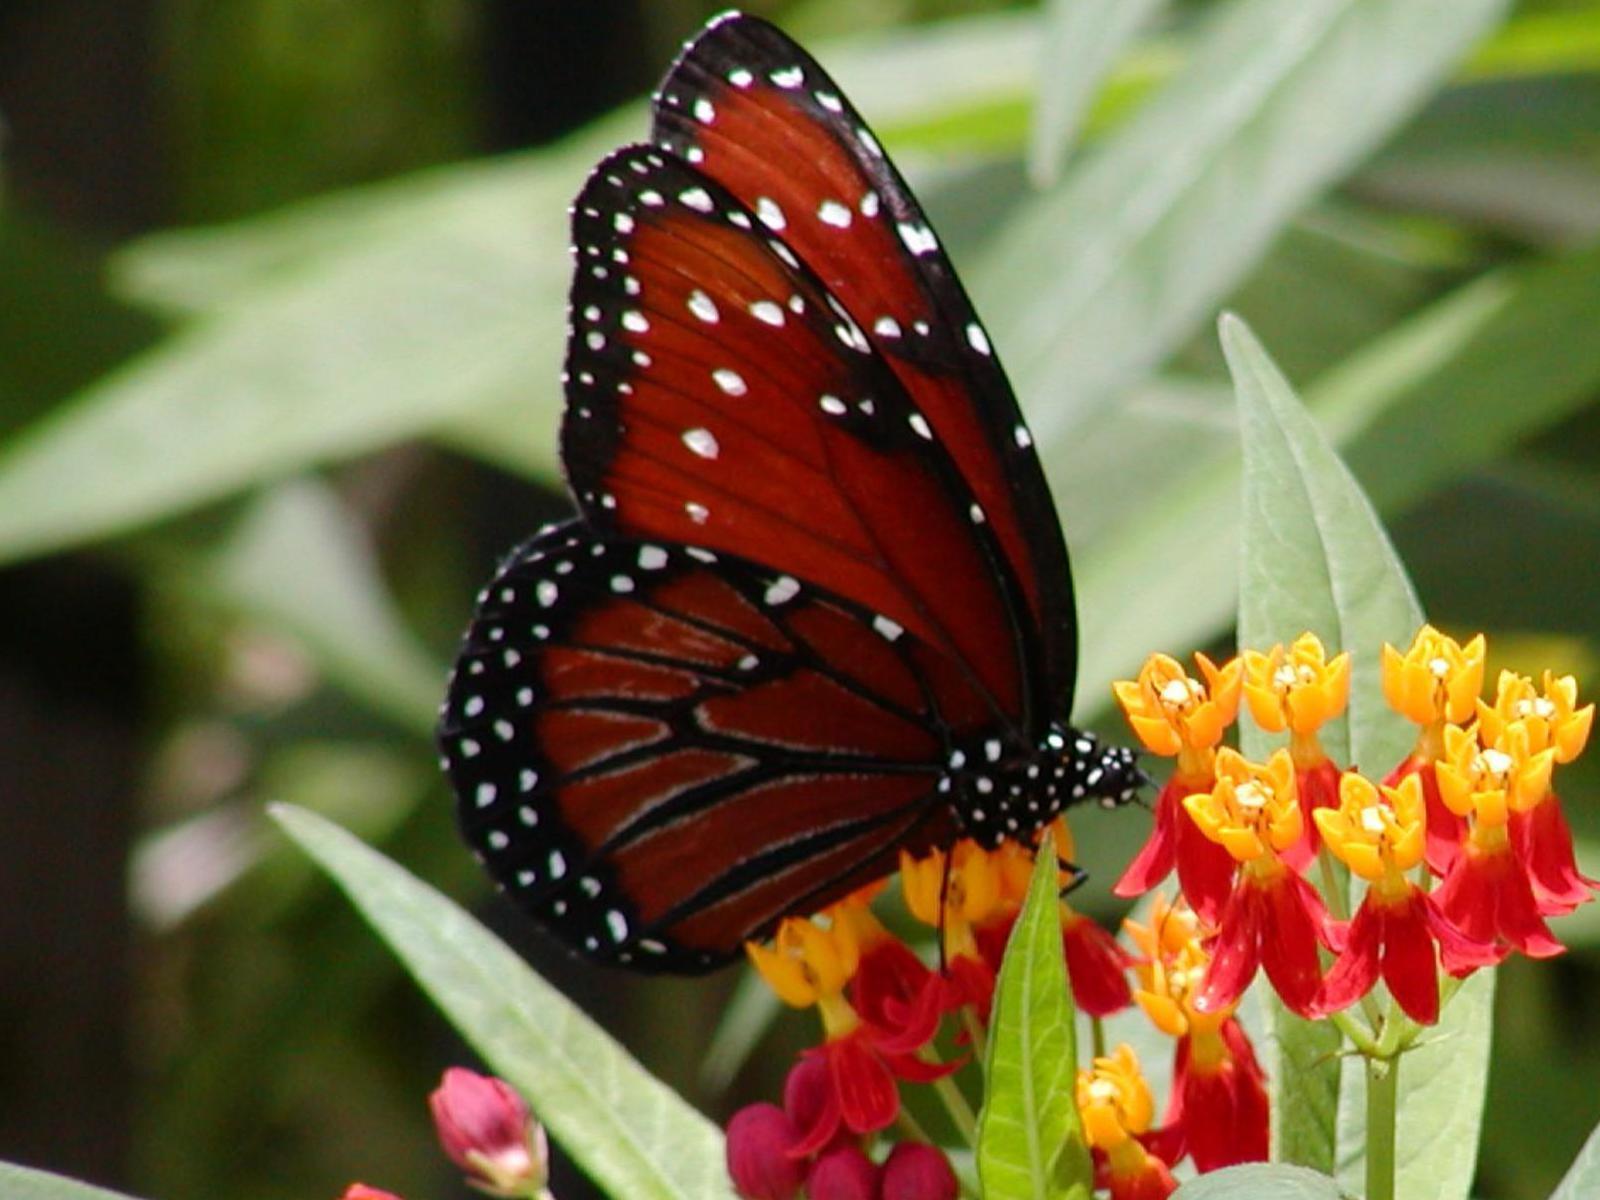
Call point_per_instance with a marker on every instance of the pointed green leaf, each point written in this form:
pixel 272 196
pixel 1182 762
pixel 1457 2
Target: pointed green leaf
pixel 627 1130
pixel 1030 1141
pixel 1095 282
pixel 24 1183
pixel 1314 556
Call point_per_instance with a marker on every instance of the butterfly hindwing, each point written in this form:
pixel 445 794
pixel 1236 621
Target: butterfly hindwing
pixel 623 714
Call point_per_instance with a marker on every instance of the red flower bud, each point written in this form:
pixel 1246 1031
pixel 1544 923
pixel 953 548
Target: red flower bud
pixel 917 1171
pixel 487 1131
pixel 759 1140
pixel 360 1191
pixel 843 1173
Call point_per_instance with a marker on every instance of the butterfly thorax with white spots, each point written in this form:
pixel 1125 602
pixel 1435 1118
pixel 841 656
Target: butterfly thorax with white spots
pixel 1002 792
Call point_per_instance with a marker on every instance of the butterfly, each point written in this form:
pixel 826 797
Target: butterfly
pixel 815 607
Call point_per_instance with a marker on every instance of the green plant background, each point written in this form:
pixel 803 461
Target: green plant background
pixel 283 397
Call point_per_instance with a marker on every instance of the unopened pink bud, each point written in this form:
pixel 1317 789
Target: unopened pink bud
pixel 917 1171
pixel 759 1138
pixel 360 1191
pixel 487 1130
pixel 843 1173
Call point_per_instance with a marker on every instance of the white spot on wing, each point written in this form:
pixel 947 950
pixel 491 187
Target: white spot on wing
pixel 704 112
pixel 696 198
pixel 767 311
pixel 889 629
pixel 652 558
pixel 782 590
pixel 919 425
pixel 832 405
pixel 698 513
pixel 977 339
pixel 702 442
pixel 702 306
pixel 831 212
pixel 730 381
pixel 635 321
pixel 769 212
pixel 740 78
pixel 788 77
pixel 919 239
pixel 1023 438
pixel 886 327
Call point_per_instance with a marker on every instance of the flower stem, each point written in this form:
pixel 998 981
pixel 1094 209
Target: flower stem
pixel 961 1114
pixel 1383 1079
pixel 975 1033
pixel 1097 1037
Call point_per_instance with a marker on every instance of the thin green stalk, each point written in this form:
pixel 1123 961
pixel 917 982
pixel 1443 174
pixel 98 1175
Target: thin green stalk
pixel 961 1114
pixel 1361 1037
pixel 1097 1037
pixel 910 1126
pixel 1383 1087
pixel 976 1034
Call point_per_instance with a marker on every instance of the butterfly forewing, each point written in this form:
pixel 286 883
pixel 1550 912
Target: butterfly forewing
pixel 661 750
pixel 754 111
pixel 720 394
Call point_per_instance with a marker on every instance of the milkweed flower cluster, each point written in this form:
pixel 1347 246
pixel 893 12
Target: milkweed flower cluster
pixel 1462 847
pixel 1461 852
pixel 881 1009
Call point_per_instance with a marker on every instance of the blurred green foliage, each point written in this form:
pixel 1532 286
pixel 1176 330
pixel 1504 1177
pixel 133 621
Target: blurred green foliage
pixel 303 434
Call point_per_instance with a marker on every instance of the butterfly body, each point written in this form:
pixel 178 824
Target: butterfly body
pixel 815 608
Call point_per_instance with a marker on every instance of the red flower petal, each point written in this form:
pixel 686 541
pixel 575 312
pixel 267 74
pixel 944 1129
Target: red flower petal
pixel 1294 926
pixel 1356 970
pixel 1544 843
pixel 1235 952
pixel 812 1104
pixel 1156 857
pixel 1410 963
pixel 1096 966
pixel 888 983
pixel 1487 896
pixel 868 1098
pixel 1223 1106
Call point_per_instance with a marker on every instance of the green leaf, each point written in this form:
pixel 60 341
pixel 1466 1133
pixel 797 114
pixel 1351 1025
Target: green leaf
pixel 1582 1181
pixel 1094 283
pixel 298 561
pixel 1415 407
pixel 24 1183
pixel 1030 1141
pixel 1261 1181
pixel 345 353
pixel 627 1131
pixel 1315 556
pixel 1082 40
pixel 1442 1085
